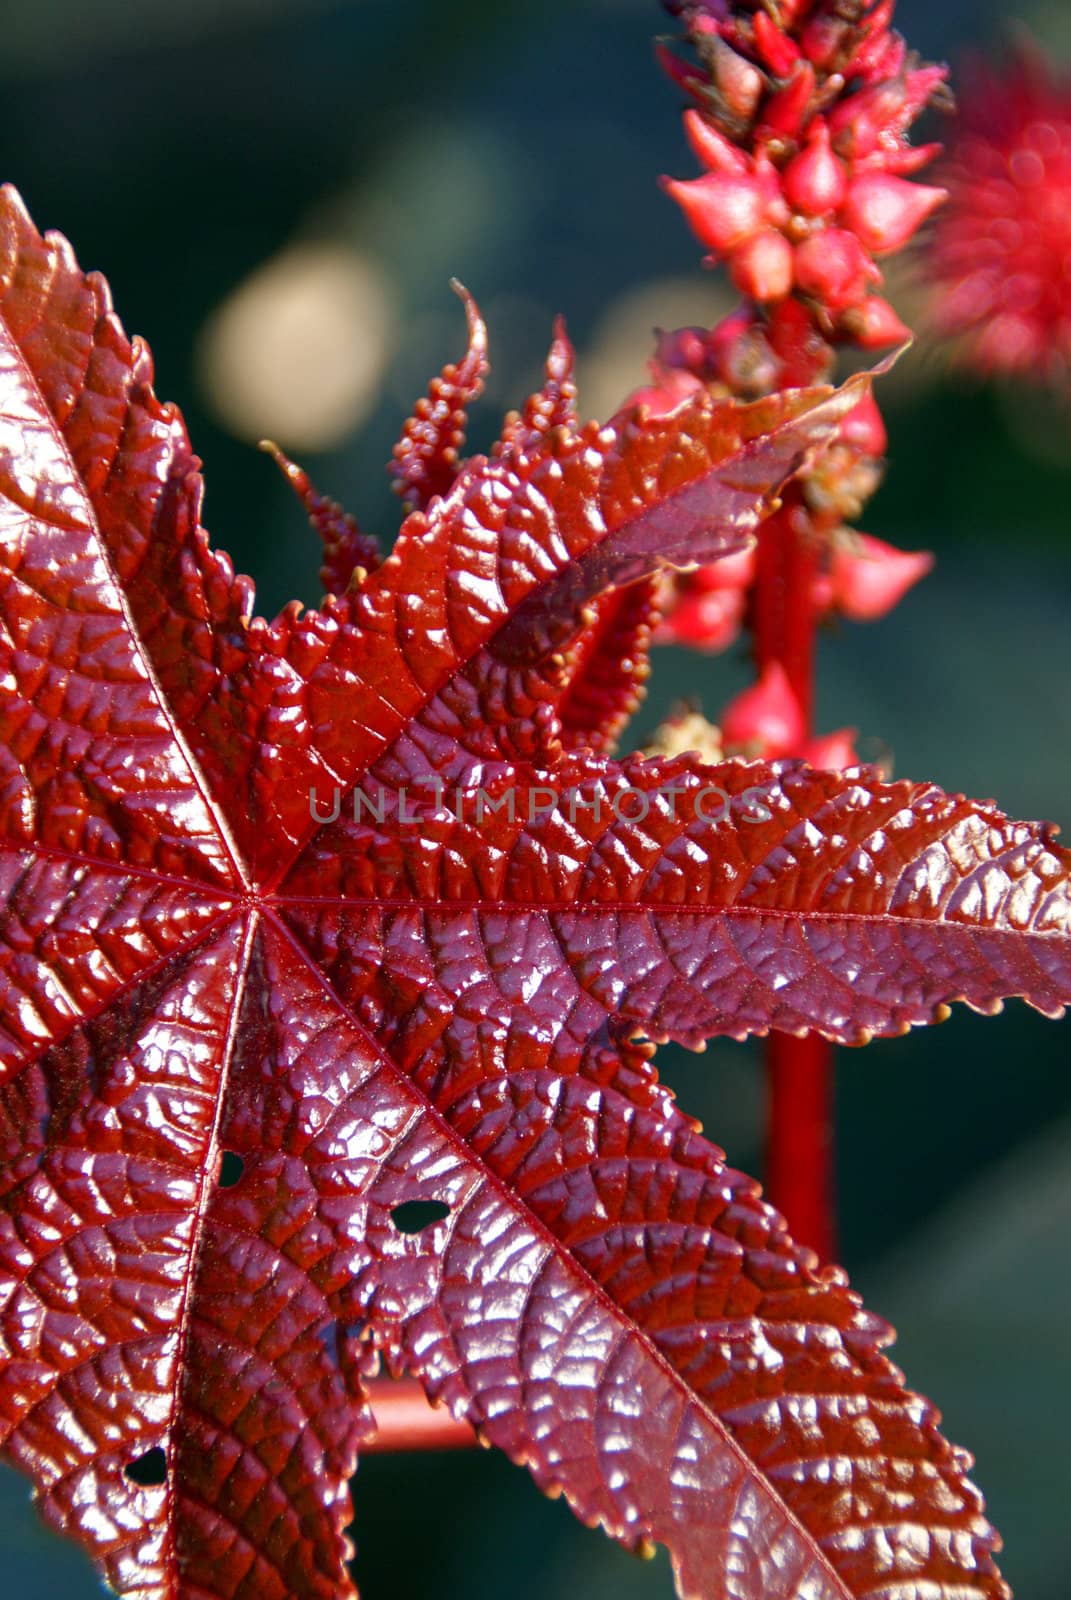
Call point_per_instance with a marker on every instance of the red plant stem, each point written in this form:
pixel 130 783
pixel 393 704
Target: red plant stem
pixel 800 1072
pixel 784 614
pixel 406 1420
pixel 800 1146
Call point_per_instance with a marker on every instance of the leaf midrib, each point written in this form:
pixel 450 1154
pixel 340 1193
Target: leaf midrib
pixel 594 1289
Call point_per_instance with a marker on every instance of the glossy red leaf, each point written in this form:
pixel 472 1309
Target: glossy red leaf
pixel 443 998
pixel 598 681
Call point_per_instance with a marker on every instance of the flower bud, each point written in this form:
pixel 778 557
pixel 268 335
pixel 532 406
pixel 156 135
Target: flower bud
pixel 682 73
pixel 684 349
pixel 885 212
pixel 864 429
pixel 833 268
pixel 786 111
pixel 731 572
pixel 821 595
pixel 747 365
pixel 740 84
pixel 858 123
pixel 815 181
pixel 874 325
pixel 870 577
pixel 778 51
pixel 670 389
pixel 907 160
pixel 921 86
pixel 881 58
pixel 723 209
pixel 711 147
pixel 767 717
pixel 824 38
pixel 704 619
pixel 804 354
pixel 763 267
pixel 831 752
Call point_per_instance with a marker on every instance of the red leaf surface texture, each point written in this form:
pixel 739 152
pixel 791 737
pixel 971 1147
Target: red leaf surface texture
pixel 448 991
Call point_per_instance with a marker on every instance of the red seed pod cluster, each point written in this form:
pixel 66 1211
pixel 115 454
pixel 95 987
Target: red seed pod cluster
pixel 1001 255
pixel 800 116
pixel 802 127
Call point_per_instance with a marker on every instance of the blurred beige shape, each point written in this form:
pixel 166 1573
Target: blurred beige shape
pixel 615 362
pixel 298 351
pixel 687 732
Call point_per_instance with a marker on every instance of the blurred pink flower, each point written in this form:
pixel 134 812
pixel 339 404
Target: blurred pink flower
pixel 1001 252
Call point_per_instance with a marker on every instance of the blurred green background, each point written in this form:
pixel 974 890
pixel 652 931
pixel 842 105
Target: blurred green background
pixel 279 191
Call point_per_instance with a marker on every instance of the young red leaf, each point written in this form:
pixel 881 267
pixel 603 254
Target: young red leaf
pixel 365 1012
pixel 427 456
pixel 349 554
pixel 605 672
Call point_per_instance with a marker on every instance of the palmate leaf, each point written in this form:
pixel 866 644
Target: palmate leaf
pixel 371 1010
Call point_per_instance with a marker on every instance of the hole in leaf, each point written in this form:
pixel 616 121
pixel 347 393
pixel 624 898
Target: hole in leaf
pixel 230 1169
pixel 413 1216
pixel 148 1470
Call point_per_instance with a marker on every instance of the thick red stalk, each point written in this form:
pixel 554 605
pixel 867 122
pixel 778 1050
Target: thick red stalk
pixel 799 1141
pixel 800 1072
pixel 783 617
pixel 406 1420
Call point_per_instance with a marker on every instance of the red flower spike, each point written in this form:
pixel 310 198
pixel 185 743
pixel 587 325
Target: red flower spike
pixel 816 181
pixel 857 82
pixel 427 457
pixel 869 578
pixel 886 212
pixel 874 325
pixel 722 209
pixel 762 268
pixel 349 554
pixel 834 269
pixel 767 718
